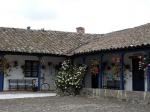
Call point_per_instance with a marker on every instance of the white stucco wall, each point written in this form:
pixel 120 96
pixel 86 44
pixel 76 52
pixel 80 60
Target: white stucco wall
pixel 17 73
pixel 49 71
pixel 108 57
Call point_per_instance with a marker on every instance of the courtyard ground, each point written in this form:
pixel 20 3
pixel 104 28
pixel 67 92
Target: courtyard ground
pixel 69 104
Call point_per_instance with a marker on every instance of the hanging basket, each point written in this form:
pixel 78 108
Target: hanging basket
pixel 94 67
pixel 94 70
pixel 5 66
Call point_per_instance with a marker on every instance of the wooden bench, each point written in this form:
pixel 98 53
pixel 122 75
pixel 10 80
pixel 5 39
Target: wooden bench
pixel 20 84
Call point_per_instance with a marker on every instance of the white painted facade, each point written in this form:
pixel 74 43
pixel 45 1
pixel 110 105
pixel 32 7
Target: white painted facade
pixel 108 57
pixel 49 71
pixel 17 72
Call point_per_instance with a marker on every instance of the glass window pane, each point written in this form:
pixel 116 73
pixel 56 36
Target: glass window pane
pixel 31 68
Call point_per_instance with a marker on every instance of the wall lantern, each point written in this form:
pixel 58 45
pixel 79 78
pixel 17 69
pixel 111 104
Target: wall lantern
pixel 49 63
pixel 15 63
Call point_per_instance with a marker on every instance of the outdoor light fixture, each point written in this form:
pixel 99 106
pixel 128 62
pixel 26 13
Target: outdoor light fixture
pixel 131 45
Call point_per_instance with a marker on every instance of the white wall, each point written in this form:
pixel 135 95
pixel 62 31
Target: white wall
pixel 17 73
pixel 50 71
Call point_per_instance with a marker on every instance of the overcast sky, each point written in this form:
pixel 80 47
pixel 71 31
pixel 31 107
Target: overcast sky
pixel 97 16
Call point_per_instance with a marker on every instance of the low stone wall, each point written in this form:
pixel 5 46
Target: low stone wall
pixel 130 96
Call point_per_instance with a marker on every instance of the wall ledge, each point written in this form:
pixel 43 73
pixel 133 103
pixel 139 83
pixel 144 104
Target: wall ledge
pixel 137 97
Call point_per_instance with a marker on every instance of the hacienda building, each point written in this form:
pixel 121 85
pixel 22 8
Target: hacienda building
pixel 118 60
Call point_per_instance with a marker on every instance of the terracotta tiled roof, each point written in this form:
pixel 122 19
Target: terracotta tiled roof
pixel 132 37
pixel 39 41
pixel 69 43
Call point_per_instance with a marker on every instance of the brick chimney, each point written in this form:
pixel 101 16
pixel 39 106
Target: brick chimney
pixel 28 28
pixel 80 30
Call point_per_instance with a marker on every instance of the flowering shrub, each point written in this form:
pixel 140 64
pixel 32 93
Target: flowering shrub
pixel 69 78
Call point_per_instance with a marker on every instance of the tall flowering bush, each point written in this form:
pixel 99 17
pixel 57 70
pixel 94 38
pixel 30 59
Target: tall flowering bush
pixel 69 78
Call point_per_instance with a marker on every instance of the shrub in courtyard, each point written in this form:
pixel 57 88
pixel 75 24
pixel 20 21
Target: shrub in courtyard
pixel 69 78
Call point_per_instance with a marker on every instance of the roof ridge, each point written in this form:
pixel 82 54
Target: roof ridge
pixel 48 30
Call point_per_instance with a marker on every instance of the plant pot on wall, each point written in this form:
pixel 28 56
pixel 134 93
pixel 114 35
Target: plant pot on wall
pixel 43 67
pixel 23 68
pixel 15 64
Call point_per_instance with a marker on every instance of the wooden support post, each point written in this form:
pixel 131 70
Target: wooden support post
pixel 39 74
pixel 83 62
pixel 148 78
pixel 101 72
pixel 148 73
pixel 1 74
pixel 122 71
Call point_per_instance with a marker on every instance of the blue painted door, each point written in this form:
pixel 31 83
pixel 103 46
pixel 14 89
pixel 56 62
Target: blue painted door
pixel 1 81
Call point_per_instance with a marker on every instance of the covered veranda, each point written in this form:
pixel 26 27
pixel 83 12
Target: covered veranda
pixel 23 71
pixel 117 69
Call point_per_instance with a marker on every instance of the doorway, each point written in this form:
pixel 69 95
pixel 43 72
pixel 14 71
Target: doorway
pixel 138 75
pixel 95 76
pixel 95 81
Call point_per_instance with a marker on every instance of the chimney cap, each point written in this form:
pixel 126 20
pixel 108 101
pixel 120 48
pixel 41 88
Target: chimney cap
pixel 28 28
pixel 80 30
pixel 42 29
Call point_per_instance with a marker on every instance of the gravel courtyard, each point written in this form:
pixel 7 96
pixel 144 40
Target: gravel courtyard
pixel 69 104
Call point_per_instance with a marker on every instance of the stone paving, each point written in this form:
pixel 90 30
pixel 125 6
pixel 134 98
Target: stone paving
pixel 69 104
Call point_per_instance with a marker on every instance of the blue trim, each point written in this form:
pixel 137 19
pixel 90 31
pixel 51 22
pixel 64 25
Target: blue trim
pixel 2 81
pixel 2 76
pixel 122 72
pixel 148 73
pixel 101 72
pixel 115 51
pixel 83 62
pixel 39 74
pixel 148 78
